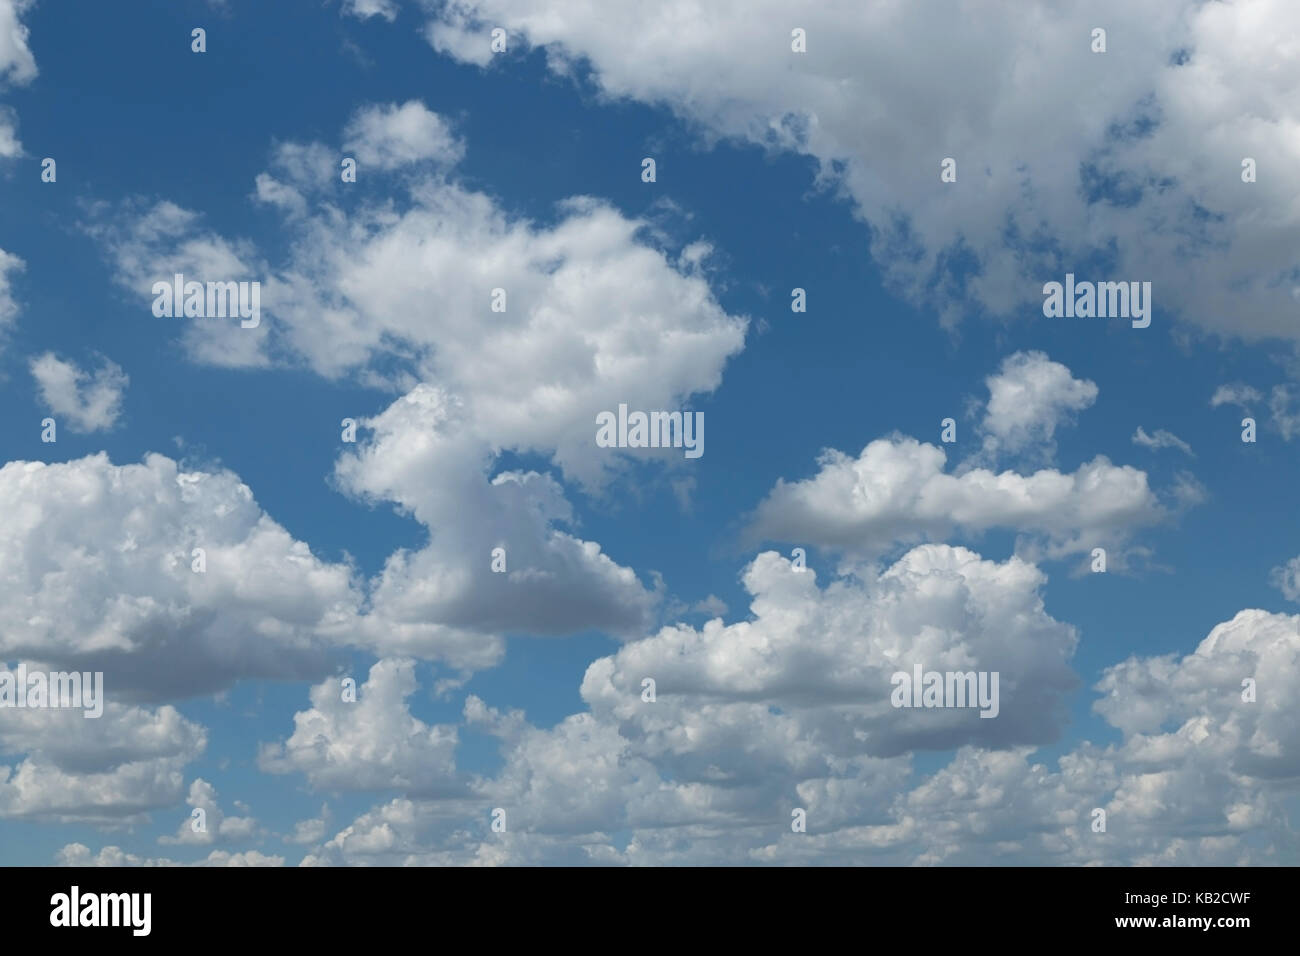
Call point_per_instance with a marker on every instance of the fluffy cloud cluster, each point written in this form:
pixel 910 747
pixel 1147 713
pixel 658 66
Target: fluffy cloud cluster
pixel 1203 695
pixel 445 600
pixel 110 769
pixel 1127 163
pixel 97 573
pixel 789 708
pixel 823 659
pixel 401 292
pixel 786 710
pixel 897 490
pixel 369 743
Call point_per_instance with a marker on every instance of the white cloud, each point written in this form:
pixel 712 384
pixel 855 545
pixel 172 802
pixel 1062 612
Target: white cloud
pixel 1029 398
pixel 798 695
pixel 595 316
pixel 896 490
pixel 392 136
pixel 90 401
pixel 110 769
pixel 152 243
pixel 1172 707
pixel 65 738
pixel 372 743
pixel 824 659
pixel 751 720
pixel 17 65
pixel 217 827
pixel 1161 439
pixel 98 563
pixel 1034 118
pixel 409 832
pixel 445 599
pixel 400 292
pixel 455 30
pixel 96 575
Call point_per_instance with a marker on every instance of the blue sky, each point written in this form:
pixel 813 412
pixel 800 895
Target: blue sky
pixel 917 300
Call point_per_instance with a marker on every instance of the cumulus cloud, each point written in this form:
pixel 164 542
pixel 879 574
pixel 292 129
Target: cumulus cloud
pixel 1066 158
pixel 595 316
pixel 102 570
pixel 89 401
pixel 445 597
pixel 1170 706
pixel 390 136
pixel 744 728
pixel 111 769
pixel 97 574
pixel 216 826
pixel 897 490
pixel 790 705
pixel 1029 398
pixel 1161 439
pixel 824 660
pixel 410 832
pixel 371 743
pixel 1200 777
